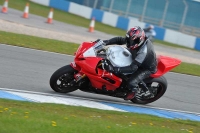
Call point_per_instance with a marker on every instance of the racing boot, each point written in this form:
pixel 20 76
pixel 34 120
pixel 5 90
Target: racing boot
pixel 130 95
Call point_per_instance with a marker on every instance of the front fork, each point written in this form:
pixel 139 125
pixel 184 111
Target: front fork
pixel 77 76
pixel 73 65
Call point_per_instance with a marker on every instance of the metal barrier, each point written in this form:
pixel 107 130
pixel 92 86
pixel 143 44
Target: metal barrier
pixel 166 24
pixel 191 30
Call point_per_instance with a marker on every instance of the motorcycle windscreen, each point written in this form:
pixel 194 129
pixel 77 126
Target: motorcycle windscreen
pixel 90 53
pixel 165 64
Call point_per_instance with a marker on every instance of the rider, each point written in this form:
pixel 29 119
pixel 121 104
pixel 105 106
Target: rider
pixel 150 32
pixel 144 58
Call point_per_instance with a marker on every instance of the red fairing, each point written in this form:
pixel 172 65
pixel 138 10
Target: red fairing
pixel 79 54
pixel 88 65
pixel 102 79
pixel 82 48
pixel 165 64
pixel 98 77
pixel 73 64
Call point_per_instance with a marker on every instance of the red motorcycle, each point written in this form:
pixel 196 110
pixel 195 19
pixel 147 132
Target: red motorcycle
pixel 87 73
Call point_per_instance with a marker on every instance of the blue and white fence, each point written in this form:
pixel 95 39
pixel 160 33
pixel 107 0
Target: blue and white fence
pixel 121 22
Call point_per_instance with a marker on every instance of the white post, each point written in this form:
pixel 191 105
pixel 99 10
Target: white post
pixel 165 12
pixel 144 10
pixel 184 14
pixel 95 4
pixel 111 5
pixel 128 7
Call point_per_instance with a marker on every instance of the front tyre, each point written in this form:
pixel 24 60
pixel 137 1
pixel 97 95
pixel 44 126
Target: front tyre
pixel 157 86
pixel 61 80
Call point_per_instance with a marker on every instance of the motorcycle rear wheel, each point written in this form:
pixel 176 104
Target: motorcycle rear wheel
pixel 161 86
pixel 61 79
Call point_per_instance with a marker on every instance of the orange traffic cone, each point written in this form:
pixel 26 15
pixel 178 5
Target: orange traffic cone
pixel 92 23
pixel 50 16
pixel 26 11
pixel 5 7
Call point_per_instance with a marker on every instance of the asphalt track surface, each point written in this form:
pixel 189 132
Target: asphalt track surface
pixel 79 34
pixel 26 69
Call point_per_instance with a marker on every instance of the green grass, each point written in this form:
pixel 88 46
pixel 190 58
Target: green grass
pixel 187 68
pixel 23 117
pixel 159 42
pixel 38 43
pixel 74 19
pixel 62 16
pixel 70 48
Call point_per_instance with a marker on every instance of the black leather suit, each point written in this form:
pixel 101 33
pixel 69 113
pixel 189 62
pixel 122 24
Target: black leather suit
pixel 144 61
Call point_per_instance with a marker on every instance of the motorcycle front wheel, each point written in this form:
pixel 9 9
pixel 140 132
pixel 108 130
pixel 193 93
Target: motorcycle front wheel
pixel 61 80
pixel 157 86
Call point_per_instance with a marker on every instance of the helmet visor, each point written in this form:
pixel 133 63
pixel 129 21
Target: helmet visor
pixel 131 42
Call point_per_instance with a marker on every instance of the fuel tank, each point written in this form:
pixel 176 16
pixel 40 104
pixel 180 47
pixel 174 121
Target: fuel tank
pixel 119 56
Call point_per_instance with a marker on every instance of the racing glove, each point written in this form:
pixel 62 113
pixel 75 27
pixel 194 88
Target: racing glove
pixel 127 69
pixel 110 68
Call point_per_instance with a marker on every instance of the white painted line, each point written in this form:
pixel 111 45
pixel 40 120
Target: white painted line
pixel 59 100
pixel 93 100
pixel 19 95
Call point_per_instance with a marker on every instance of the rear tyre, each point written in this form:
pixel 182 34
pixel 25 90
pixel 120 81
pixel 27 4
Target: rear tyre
pixel 61 80
pixel 157 85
